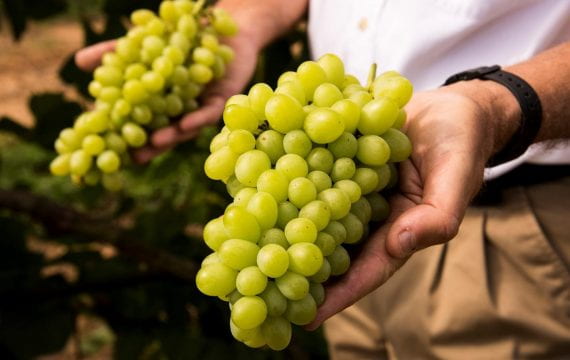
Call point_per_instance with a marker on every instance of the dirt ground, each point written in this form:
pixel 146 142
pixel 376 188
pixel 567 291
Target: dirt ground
pixel 31 65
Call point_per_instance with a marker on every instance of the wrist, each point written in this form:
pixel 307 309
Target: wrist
pixel 499 109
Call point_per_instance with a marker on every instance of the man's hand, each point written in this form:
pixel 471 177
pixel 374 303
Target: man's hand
pixel 238 73
pixel 452 130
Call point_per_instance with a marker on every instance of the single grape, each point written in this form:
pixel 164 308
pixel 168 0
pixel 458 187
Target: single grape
pixel 337 200
pixel 243 196
pixel 320 159
pixel 361 98
pixel 317 291
pixel 239 99
pixel 400 145
pixel 377 116
pixel 220 164
pixel 264 207
pixel 339 261
pixel 384 174
pixel 80 162
pixel 273 236
pixel 367 179
pixel 241 141
pixel 293 286
pixel 323 126
pixel 200 74
pixel 326 242
pixel 216 279
pixel 240 224
pixel 301 192
pixel 275 301
pixel 203 56
pixel 286 213
pixel 93 144
pixel 400 120
pixel 108 161
pixel 284 113
pixel 345 146
pixel 276 333
pixel 238 254
pixel 250 165
pixel 334 69
pixel 397 88
pixel 326 95
pixel 350 188
pixel 311 75
pixel 271 143
pixel 240 117
pixel 252 337
pixel 318 212
pixel 215 233
pixel 292 166
pixel 324 272
pixel 251 281
pixel 60 165
pixel 321 180
pixel 302 311
pixel 354 228
pixel 305 258
pixel 275 183
pixel 372 150
pixel 258 96
pixel 300 230
pixel 362 210
pixel 337 230
pixel 297 142
pixel 343 168
pixel 273 260
pixel 249 312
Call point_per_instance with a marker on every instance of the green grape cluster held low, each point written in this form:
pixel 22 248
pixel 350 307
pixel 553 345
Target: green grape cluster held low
pixel 154 75
pixel 305 164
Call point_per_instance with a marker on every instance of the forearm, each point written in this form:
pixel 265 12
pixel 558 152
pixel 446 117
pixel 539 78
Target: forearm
pixel 262 21
pixel 549 75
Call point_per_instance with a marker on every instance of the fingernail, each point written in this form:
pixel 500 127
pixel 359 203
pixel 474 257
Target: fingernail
pixel 407 242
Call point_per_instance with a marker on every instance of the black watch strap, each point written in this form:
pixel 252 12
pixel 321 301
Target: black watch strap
pixel 531 109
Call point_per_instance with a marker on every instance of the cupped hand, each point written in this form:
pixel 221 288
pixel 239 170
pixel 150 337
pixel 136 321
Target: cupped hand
pixel 452 139
pixel 238 74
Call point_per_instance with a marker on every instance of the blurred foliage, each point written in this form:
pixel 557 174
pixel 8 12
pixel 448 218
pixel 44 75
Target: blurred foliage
pixel 145 313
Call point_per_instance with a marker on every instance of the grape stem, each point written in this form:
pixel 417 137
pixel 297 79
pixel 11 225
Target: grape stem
pixel 198 6
pixel 371 76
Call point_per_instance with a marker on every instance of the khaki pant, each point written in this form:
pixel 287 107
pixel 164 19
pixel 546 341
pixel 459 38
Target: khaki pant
pixel 499 290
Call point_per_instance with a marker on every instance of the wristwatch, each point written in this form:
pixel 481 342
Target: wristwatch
pixel 531 109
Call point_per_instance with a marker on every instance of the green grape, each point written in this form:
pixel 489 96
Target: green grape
pixel 142 114
pixel 326 243
pixel 318 212
pixel 320 159
pixel 292 166
pixel 250 165
pixel 168 11
pixel 115 142
pixel 241 141
pixel 251 336
pixel 349 80
pixel 317 291
pixel 258 96
pixel 213 258
pixel 240 224
pixel 94 88
pixel 361 98
pixel 92 177
pixel 350 188
pixel 273 260
pixel 240 117
pixel 397 88
pixel 334 69
pixel 134 92
pixel 137 35
pixel 337 200
pixel 276 332
pixel 271 143
pixel 96 121
pixel 134 135
pixel 339 261
pixel 109 94
pixel 121 108
pixel 345 146
pixel 284 113
pixel 187 26
pixel 210 41
pixel 112 182
pixel 238 254
pixel 80 162
pixel 163 66
pixel 305 258
pixel 343 168
pixel 108 161
pixel 70 138
pixel 311 75
pixel 326 95
pixel 302 311
pixel 127 50
pixel 352 89
pixel 220 164
pixel 337 230
pixel 275 301
pixel 203 56
pixel 60 165
pixel 215 233
pixel 135 71
pixel 239 99
pixel 233 186
pixel 293 286
pixel 287 76
pixel 383 173
pixel 323 126
pixel 223 23
pixel 251 281
pixel 400 145
pixel 159 121
pixel 379 205
pixel 301 192
pixel 157 103
pixel 216 279
pixel 377 116
pixel 249 312
pixel 354 228
pixel 180 75
pixel 324 272
pixel 367 179
pixel 174 105
pixel 362 210
pixel 108 76
pixel 226 53
pixel 297 142
pixel 61 148
pixel 321 180
pixel 218 142
pixel 141 16
pixel 174 54
pixel 300 230
pixel 179 40
pixel 264 207
pixel 286 213
pixel 293 89
pixel 243 196
pixel 200 73
pixel 275 183
pixel 400 120
pixel 113 60
pixel 273 236
pixel 372 150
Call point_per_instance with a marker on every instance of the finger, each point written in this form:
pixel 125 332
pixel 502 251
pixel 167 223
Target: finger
pixel 147 153
pixel 447 191
pixel 209 113
pixel 89 58
pixel 171 135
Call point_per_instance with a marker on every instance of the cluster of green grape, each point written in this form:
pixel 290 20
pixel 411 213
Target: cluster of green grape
pixel 304 165
pixel 154 75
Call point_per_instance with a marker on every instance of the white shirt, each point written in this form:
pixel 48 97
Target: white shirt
pixel 427 41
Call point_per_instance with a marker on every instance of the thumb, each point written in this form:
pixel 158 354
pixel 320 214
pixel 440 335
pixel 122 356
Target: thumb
pixel 450 183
